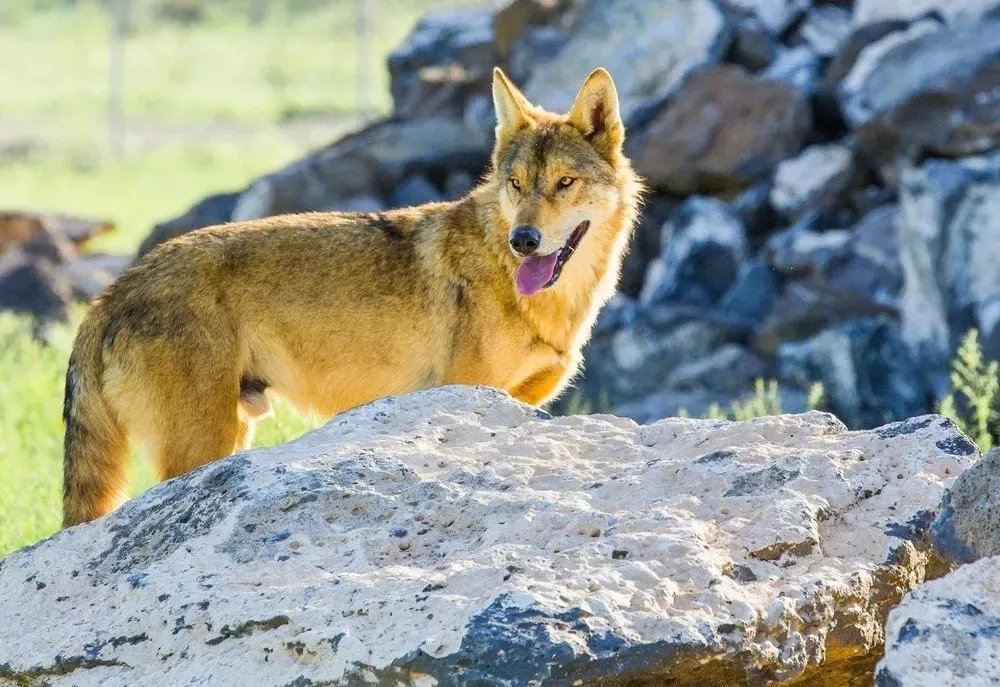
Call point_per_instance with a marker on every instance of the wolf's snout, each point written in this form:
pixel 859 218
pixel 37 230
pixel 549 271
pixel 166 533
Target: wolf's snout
pixel 525 240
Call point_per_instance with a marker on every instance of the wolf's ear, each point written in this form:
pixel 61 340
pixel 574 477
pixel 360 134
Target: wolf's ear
pixel 510 105
pixel 595 112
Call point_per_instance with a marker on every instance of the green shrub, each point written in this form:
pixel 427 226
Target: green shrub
pixel 765 401
pixel 975 389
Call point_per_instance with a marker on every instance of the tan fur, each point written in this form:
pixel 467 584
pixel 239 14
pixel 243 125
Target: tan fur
pixel 333 310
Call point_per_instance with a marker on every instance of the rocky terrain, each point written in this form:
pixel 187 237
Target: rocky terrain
pixel 825 180
pixel 43 267
pixel 458 537
pixel 825 207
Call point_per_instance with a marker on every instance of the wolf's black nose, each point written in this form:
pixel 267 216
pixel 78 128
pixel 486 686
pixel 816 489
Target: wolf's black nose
pixel 525 240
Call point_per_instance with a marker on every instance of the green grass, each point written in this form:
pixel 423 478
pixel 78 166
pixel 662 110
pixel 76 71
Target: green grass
pixel 225 69
pixel 208 106
pixel 139 189
pixel 975 384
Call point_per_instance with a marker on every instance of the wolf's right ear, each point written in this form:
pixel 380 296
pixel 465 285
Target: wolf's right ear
pixel 596 113
pixel 510 105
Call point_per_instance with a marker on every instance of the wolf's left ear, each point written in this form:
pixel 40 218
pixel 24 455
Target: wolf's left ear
pixel 595 112
pixel 510 105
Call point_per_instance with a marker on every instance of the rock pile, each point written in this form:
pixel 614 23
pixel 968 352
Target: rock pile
pixel 825 184
pixel 43 267
pixel 458 537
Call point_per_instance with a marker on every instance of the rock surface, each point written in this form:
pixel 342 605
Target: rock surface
pixel 650 46
pixel 446 42
pixel 949 248
pixel 815 180
pixel 961 11
pixel 968 527
pixel 946 633
pixel 927 90
pixel 379 158
pixel 456 537
pixel 704 246
pixel 723 131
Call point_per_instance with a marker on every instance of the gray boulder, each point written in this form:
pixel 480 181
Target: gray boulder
pixel 776 15
pixel 753 46
pixel 704 245
pixel 825 29
pixel 871 263
pixel 949 236
pixel 369 163
pixel 799 68
pixel 753 294
pixel 946 633
pixel 817 179
pixel 649 46
pixel 458 538
pixel 922 92
pixel 415 190
pixel 867 372
pixel 458 44
pixel 968 526
pixel 635 349
pixel 957 11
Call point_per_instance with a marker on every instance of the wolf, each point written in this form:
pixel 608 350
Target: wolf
pixel 332 310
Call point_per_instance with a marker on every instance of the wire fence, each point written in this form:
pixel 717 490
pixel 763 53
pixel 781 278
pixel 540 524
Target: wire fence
pixel 118 67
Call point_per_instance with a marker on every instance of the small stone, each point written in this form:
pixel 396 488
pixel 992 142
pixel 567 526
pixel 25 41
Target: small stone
pixel 814 181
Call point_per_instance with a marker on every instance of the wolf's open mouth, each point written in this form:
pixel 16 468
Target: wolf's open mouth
pixel 540 272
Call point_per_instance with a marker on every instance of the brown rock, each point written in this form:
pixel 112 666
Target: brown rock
pixel 724 130
pixel 510 22
pixel 807 308
pixel 52 235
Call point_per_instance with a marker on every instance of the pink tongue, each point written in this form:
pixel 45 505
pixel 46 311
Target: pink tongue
pixel 534 273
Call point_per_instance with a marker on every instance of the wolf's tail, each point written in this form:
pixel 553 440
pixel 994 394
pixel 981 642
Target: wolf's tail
pixel 95 452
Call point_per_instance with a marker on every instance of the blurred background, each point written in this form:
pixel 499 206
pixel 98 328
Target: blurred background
pixel 131 110
pixel 822 229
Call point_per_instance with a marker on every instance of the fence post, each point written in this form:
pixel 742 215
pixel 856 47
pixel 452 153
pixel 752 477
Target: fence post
pixel 116 77
pixel 365 10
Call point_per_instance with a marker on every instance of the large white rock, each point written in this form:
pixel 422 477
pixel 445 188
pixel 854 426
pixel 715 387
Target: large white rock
pixel 946 633
pixel 649 46
pixel 457 537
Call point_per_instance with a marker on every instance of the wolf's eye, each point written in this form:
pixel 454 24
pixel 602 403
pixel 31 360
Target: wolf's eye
pixel 515 183
pixel 566 182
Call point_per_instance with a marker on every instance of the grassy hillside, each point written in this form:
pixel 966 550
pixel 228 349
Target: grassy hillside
pixel 208 107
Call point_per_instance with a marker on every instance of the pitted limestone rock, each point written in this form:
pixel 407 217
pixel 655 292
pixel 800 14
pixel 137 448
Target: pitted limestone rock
pixel 457 537
pixel 946 633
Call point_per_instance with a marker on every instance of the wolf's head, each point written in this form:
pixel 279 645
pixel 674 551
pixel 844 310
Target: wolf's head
pixel 561 180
